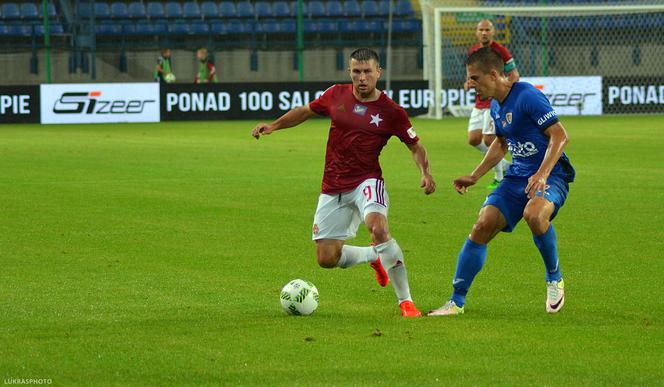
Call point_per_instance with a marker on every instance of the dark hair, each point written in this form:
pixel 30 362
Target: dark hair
pixel 364 54
pixel 486 59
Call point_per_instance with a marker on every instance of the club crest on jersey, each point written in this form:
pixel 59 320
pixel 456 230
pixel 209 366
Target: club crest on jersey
pixel 360 110
pixel 508 117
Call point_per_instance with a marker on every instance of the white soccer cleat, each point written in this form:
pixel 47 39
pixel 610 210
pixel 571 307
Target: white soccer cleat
pixel 555 296
pixel 449 309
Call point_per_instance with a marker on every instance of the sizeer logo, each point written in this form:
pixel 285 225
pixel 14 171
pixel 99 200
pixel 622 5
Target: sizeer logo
pixel 565 99
pixel 91 103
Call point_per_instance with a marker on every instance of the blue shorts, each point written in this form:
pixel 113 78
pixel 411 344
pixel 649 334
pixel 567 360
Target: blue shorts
pixel 510 198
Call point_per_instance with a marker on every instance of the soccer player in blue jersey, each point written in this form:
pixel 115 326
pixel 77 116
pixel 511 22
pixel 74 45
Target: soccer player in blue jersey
pixel 535 186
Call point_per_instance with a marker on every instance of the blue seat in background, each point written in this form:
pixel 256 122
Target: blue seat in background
pixel 404 8
pixel 288 26
pixel 334 8
pixel 155 10
pixel 268 26
pixel 119 10
pixel 209 9
pixel 199 27
pixel 108 29
pixel 350 27
pixel 10 11
pixel 282 9
pixel 235 26
pixel 227 9
pixel 316 8
pixel 191 10
pixel 29 11
pixel 370 8
pixel 244 9
pixel 140 29
pixel 19 30
pixel 310 26
pixel 328 27
pixel 352 8
pixel 173 10
pixel 136 10
pixel 102 10
pixel 54 29
pixel 178 28
pixel 50 11
pixel 218 27
pixel 263 9
pixel 160 27
pixel 407 26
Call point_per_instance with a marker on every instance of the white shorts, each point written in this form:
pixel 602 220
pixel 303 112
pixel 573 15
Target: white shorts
pixel 338 216
pixel 481 119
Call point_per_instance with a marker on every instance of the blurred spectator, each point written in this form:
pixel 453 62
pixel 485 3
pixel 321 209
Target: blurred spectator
pixel 163 72
pixel 206 71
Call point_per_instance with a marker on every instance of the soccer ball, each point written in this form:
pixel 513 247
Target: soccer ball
pixel 299 298
pixel 169 78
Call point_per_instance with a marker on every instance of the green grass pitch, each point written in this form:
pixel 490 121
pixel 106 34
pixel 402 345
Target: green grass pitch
pixel 154 254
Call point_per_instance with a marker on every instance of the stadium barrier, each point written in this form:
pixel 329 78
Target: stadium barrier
pixel 633 95
pixel 19 104
pixel 151 102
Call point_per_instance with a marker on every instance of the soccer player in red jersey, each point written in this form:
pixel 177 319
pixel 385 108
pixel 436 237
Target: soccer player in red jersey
pixel 353 191
pixel 481 132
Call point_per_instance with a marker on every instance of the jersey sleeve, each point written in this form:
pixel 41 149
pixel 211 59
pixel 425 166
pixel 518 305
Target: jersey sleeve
pixel 510 65
pixel 539 109
pixel 321 105
pixel 402 128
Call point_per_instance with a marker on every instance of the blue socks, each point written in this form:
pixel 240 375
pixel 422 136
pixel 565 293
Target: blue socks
pixel 548 247
pixel 470 261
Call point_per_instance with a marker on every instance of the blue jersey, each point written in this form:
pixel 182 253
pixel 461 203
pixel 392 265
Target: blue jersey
pixel 522 119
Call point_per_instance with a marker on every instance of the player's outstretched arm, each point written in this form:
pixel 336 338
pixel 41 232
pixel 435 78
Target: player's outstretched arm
pixel 557 142
pixel 292 118
pixel 422 161
pixel 493 156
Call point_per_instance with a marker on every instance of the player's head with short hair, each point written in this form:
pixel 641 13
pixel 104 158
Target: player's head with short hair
pixel 202 54
pixel 166 52
pixel 365 55
pixel 364 69
pixel 484 32
pixel 486 59
pixel 485 71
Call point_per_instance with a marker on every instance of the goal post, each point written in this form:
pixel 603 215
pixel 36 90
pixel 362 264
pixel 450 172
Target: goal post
pixel 604 40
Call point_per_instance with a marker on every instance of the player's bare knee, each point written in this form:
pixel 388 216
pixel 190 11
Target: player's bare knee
pixel 488 140
pixel 483 229
pixel 379 234
pixel 327 256
pixel 536 220
pixel 474 140
pixel 328 260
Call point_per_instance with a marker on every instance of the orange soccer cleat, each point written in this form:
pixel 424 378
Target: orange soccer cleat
pixel 408 309
pixel 381 274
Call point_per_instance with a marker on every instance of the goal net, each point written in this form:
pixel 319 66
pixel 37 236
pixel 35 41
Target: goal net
pixel 592 58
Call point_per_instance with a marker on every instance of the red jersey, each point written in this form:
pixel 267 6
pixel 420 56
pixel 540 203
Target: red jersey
pixel 507 57
pixel 358 133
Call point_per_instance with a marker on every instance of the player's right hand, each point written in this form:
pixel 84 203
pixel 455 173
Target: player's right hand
pixel 263 129
pixel 462 183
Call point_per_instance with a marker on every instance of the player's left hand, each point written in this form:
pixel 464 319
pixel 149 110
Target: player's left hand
pixel 536 183
pixel 428 184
